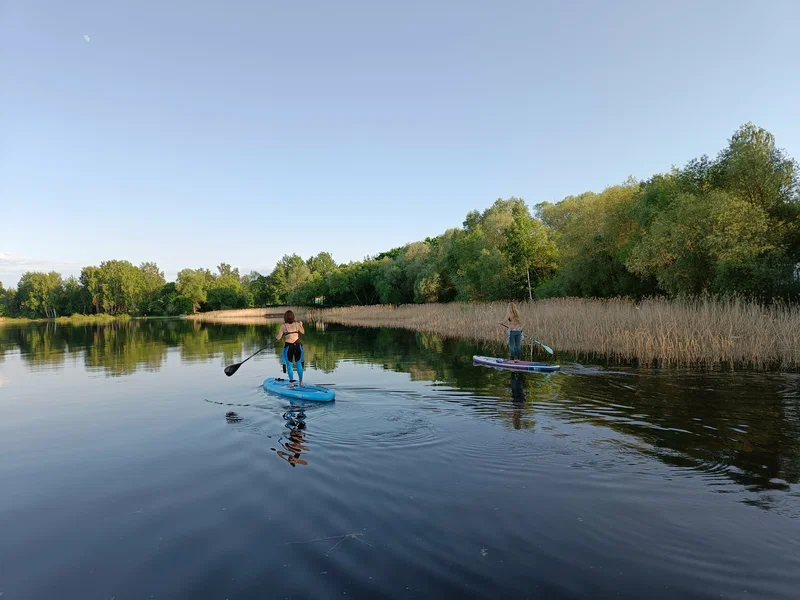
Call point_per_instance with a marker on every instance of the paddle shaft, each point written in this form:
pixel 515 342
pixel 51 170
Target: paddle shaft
pixel 230 370
pixel 257 352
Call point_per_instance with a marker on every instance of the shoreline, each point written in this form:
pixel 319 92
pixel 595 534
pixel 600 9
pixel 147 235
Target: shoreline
pixel 219 316
pixel 709 333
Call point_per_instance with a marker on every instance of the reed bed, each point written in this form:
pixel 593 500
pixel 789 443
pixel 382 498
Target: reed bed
pixel 701 332
pixel 259 320
pixel 102 318
pixel 217 315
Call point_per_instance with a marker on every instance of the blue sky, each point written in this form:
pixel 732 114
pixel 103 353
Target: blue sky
pixel 192 133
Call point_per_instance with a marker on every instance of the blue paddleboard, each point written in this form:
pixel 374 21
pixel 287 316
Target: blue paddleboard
pixel 314 393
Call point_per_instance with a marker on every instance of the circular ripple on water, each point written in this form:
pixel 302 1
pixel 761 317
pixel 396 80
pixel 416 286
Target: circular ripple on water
pixel 388 428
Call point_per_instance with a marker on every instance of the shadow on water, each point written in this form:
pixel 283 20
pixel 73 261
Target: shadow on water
pixel 743 428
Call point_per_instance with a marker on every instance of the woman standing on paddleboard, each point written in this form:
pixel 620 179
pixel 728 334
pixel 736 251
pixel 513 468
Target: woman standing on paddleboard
pixel 292 347
pixel 514 332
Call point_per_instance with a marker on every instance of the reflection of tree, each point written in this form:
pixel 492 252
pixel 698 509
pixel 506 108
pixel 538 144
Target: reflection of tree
pixel 38 345
pixel 124 350
pixel 699 421
pixel 742 423
pixel 658 409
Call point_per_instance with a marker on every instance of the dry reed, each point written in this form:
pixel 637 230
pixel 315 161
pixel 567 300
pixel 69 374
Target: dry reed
pixel 218 315
pixel 702 332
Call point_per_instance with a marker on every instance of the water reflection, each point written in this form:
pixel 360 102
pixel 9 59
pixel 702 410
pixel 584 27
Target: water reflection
pixel 732 428
pixel 518 397
pixel 293 442
pixel 232 417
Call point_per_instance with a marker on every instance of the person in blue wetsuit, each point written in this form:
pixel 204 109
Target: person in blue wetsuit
pixel 514 325
pixel 292 347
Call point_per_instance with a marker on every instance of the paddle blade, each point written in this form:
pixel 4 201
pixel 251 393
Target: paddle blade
pixel 547 348
pixel 231 369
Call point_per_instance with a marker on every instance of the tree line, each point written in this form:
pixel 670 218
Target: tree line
pixel 723 225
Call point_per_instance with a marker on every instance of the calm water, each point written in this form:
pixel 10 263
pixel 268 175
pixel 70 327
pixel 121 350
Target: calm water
pixel 133 468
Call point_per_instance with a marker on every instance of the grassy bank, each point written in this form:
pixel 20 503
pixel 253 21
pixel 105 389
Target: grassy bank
pixel 16 321
pixel 76 319
pixel 670 333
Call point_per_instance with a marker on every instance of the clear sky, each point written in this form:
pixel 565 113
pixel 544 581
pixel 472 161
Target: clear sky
pixel 191 133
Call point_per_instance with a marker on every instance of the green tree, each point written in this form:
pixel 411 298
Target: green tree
pixel 225 270
pixel 152 277
pixel 530 250
pixel 226 297
pixel 153 281
pixel 169 302
pixel 73 298
pixel 354 283
pixel 594 235
pixel 90 284
pixel 193 284
pixel 731 225
pixel 697 245
pixel 756 171
pixel 322 263
pixel 261 288
pixel 122 286
pixel 290 273
pixel 39 294
pixel 8 306
pixel 396 276
pixel 305 295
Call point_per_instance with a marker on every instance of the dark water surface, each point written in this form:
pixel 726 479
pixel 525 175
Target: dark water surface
pixel 131 467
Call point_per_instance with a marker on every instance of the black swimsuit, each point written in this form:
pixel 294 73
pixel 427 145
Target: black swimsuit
pixel 293 351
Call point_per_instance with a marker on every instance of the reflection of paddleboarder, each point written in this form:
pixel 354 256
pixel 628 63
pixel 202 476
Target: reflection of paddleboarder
pixel 296 422
pixel 517 387
pixel 518 398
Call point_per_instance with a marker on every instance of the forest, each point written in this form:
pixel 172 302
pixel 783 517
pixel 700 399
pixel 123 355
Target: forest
pixel 728 225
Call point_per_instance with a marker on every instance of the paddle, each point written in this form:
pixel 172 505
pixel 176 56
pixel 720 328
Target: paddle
pixel 547 348
pixel 231 369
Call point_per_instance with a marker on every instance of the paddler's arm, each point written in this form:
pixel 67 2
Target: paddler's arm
pixel 300 325
pixel 280 333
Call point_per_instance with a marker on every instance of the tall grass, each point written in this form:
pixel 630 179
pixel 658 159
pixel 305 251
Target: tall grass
pixel 216 315
pixel 78 319
pixel 75 319
pixel 703 332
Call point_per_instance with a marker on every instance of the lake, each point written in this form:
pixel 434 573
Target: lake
pixel 133 468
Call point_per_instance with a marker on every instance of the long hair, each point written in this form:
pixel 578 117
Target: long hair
pixel 288 317
pixel 514 312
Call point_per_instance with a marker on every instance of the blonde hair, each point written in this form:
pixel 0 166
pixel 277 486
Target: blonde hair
pixel 512 308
